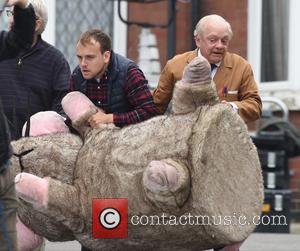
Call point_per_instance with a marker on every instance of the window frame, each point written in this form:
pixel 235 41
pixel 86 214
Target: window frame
pixel 120 29
pixel 49 33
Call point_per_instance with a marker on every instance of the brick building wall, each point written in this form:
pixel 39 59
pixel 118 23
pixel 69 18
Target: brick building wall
pixel 235 12
pixel 157 13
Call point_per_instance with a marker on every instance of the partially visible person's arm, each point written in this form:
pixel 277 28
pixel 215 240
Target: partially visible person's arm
pixel 60 84
pixel 164 91
pixel 21 35
pixel 20 3
pixel 138 95
pixel 250 105
pixel 5 149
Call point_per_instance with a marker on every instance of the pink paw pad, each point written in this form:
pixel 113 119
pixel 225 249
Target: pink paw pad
pixel 32 189
pixel 75 104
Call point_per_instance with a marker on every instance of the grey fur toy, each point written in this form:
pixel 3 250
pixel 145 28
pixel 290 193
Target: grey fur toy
pixel 198 160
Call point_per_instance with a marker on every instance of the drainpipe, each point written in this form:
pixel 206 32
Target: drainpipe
pixel 172 29
pixel 195 13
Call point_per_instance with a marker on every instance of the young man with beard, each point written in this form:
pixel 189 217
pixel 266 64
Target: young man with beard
pixel 112 82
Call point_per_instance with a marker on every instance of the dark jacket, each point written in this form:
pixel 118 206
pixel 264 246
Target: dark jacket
pixel 117 72
pixel 5 149
pixel 34 81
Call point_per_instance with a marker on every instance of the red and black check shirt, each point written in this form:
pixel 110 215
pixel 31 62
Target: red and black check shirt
pixel 136 91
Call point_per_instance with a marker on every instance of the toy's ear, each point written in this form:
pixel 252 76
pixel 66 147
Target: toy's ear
pixel 195 89
pixel 43 123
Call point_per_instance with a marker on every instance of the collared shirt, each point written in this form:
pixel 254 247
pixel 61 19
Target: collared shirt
pixel 136 91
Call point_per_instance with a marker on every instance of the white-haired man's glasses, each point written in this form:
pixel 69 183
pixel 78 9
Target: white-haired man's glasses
pixel 9 13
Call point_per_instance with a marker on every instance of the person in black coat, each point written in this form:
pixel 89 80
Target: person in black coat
pixel 19 38
pixel 34 79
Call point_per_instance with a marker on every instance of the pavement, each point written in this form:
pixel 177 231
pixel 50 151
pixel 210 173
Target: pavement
pixel 272 242
pixel 255 242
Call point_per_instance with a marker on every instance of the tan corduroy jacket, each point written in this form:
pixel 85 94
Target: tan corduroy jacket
pixel 234 82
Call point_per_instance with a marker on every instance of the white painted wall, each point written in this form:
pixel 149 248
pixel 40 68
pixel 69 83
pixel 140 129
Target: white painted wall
pixel 120 30
pixel 49 33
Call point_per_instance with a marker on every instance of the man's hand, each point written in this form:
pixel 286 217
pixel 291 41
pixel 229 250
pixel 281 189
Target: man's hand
pixel 100 118
pixel 224 102
pixel 232 105
pixel 21 3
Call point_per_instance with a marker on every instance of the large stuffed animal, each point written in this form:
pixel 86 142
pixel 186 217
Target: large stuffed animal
pixel 196 162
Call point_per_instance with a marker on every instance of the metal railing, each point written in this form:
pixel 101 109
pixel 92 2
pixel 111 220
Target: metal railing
pixel 76 16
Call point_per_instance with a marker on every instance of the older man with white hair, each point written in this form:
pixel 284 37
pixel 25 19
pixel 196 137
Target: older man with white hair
pixel 11 43
pixel 36 78
pixel 231 73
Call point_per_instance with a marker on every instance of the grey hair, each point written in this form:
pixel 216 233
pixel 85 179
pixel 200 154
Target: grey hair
pixel 199 30
pixel 41 13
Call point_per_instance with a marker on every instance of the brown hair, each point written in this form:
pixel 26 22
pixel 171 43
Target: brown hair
pixel 99 36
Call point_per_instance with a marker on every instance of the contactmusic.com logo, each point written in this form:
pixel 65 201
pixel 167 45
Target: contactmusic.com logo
pixel 110 218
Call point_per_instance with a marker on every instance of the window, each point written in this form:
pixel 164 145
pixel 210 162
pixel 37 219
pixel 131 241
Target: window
pixel 273 48
pixel 275 39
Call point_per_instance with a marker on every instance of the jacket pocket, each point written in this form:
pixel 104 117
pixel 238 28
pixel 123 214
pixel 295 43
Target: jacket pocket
pixel 232 95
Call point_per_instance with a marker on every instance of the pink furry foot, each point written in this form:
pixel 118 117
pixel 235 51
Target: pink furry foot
pixel 167 183
pixel 27 240
pixel 76 104
pixel 161 176
pixel 32 189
